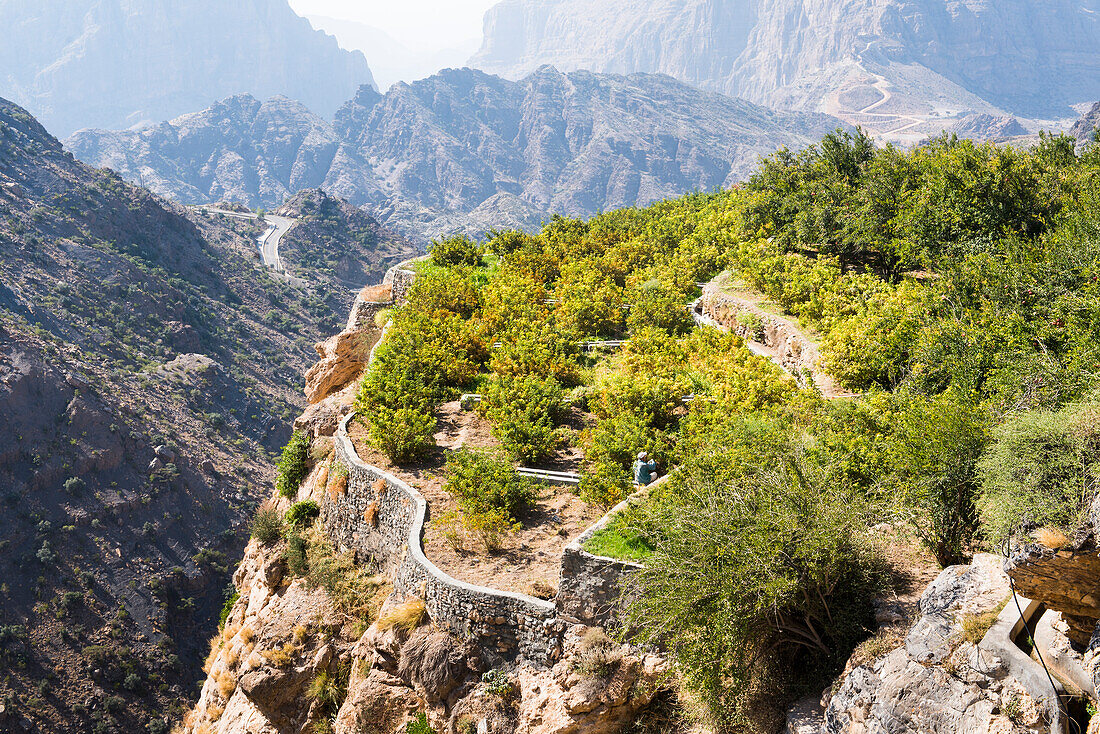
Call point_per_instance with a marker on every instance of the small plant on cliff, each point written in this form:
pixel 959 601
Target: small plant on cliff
pixel 302 514
pixel 293 465
pixel 267 525
pixel 498 683
pixel 419 725
pixel 329 689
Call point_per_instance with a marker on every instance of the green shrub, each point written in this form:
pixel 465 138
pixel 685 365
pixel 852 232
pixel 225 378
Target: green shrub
pixel 522 411
pixel 404 435
pixel 483 482
pixel 74 486
pixel 605 485
pixel 457 250
pixel 932 465
pixel 227 608
pixel 297 560
pixel 745 621
pixel 302 514
pixel 293 465
pixel 489 527
pixel 267 525
pixel 419 725
pixel 1041 470
pixel 498 683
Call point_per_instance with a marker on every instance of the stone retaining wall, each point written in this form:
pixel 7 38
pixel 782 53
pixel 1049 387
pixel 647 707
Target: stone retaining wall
pixel 794 353
pixel 382 517
pixel 400 279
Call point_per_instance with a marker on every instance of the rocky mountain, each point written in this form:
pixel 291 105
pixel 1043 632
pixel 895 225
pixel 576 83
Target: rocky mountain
pixel 118 63
pixel 1084 130
pixel 988 127
pixel 464 149
pixel 148 369
pixel 899 67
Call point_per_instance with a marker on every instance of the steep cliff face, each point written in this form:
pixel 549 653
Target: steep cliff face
pixel 463 149
pixel 893 58
pixel 116 63
pixel 148 369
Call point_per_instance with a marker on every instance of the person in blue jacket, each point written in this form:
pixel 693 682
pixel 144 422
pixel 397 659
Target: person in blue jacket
pixel 645 470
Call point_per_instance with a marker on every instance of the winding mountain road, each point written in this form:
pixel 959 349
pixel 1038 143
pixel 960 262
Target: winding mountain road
pixel 277 227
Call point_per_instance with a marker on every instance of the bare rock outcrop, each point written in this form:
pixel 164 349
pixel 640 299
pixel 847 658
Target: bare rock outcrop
pixel 344 356
pixel 938 681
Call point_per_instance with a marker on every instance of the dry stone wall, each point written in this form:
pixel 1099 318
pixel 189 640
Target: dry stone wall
pixel 400 279
pixel 382 517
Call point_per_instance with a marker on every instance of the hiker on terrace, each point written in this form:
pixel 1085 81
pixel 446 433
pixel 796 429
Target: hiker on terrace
pixel 645 470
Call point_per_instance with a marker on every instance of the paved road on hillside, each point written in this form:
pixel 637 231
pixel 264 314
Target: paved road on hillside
pixel 277 227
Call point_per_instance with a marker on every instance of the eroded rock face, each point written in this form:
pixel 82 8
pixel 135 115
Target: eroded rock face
pixel 937 682
pixel 343 358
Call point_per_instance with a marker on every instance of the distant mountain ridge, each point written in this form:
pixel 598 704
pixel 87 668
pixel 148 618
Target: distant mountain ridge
pixel 117 63
pixel 894 65
pixel 463 149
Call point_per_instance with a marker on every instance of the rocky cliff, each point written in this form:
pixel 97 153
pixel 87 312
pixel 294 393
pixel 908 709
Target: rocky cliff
pixel 117 63
pixel 463 149
pixel 896 66
pixel 148 369
pixel 1084 130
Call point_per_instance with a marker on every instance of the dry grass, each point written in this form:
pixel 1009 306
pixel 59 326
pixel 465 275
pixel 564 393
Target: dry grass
pixel 322 475
pixel 1052 538
pixel 283 656
pixel 377 294
pixel 227 683
pixel 408 615
pixel 974 626
pixel 232 657
pixel 597 656
pixel 881 643
pixel 379 486
pixel 215 648
pixel 214 712
pixel 247 635
pixel 320 448
pixel 370 515
pixel 301 632
pixel 542 589
pixel 338 481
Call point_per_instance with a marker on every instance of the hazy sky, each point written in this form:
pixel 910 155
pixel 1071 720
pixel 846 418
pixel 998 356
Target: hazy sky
pixel 435 23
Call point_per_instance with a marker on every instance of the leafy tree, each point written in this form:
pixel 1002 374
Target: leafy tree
pixel 760 582
pixel 456 250
pixel 1041 469
pixel 483 482
pixel 932 460
pixel 523 411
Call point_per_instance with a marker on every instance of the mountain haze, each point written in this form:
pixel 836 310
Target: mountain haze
pixel 894 65
pixel 118 63
pixel 463 149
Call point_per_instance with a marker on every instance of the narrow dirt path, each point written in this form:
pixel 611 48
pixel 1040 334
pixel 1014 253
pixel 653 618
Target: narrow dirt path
pixel 786 336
